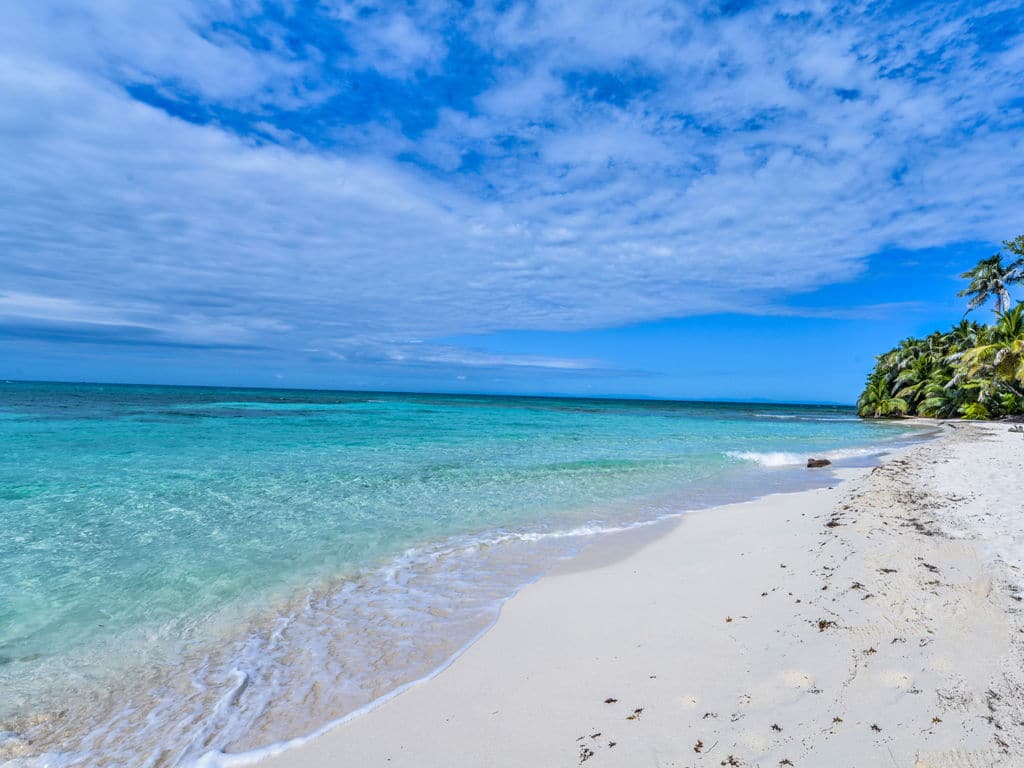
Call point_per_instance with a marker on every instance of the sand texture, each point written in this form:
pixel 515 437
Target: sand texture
pixel 877 623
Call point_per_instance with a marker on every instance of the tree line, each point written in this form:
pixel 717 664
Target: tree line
pixel 973 370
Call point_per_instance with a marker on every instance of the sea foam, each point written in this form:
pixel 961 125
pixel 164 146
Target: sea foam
pixel 789 459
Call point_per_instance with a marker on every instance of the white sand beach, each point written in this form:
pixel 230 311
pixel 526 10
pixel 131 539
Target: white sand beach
pixel 876 623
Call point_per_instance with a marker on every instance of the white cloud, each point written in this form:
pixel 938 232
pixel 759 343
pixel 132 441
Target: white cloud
pixel 29 306
pixel 160 44
pixel 389 41
pixel 725 173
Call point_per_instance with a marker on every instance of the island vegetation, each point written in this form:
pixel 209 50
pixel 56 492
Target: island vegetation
pixel 973 370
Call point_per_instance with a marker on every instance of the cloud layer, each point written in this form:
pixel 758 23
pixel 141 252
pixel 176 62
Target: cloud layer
pixel 357 181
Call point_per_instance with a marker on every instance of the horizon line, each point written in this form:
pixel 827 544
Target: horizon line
pixel 541 396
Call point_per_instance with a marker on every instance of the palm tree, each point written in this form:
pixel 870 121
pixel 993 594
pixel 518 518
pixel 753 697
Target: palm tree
pixel 877 400
pixel 999 360
pixel 989 278
pixel 962 336
pixel 943 399
pixel 901 357
pixel 914 379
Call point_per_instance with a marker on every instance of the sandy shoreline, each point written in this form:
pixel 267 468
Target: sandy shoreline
pixel 874 623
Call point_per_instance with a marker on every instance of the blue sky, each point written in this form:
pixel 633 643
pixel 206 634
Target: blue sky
pixel 700 200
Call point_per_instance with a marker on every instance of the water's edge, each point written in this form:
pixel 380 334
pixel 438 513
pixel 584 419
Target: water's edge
pixel 603 549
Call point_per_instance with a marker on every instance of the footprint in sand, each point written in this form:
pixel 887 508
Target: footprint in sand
pixel 795 678
pixel 894 678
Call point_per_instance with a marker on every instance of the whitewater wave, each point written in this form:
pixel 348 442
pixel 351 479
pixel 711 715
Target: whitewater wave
pixel 804 417
pixel 787 459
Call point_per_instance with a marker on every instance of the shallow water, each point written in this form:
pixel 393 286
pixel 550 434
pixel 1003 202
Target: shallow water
pixel 189 570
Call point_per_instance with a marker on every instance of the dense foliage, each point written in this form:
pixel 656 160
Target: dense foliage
pixel 972 371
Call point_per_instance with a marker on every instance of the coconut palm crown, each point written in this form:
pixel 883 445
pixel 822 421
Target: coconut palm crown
pixel 989 279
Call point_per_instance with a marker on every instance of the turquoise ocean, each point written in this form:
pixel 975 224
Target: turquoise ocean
pixel 191 572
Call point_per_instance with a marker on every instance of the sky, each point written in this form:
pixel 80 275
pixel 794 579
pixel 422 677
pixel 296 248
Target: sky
pixel 706 200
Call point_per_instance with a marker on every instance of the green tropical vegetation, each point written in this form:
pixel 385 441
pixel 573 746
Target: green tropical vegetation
pixel 973 370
